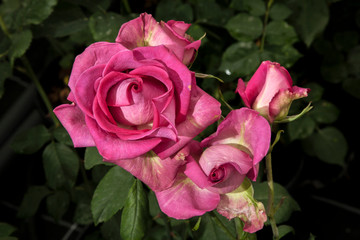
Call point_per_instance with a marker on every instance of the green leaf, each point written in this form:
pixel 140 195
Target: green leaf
pixel 5 69
pixel 174 10
pixel 288 204
pixel 61 165
pixel 325 112
pixel 62 136
pixel 111 228
pixel 110 194
pixel 279 11
pixel 352 86
pixel 316 92
pixel 301 128
pixel 286 55
pixel 244 27
pixel 31 140
pixel 284 230
pixel 93 158
pixel 240 59
pixel 105 26
pixel 34 11
pixel 6 229
pixel 20 42
pixel 210 12
pixel 31 201
pixel 334 73
pixel 312 20
pixel 280 33
pixel 82 213
pixel 330 145
pixel 57 204
pixel 214 226
pixel 65 21
pixel 353 61
pixel 135 213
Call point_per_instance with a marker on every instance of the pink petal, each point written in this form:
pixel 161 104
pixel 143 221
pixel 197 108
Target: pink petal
pixel 149 168
pixel 240 203
pixel 245 129
pixel 179 27
pixel 280 104
pixel 203 111
pixel 84 89
pixel 96 54
pixel 241 89
pixel 185 199
pixel 73 121
pixel 232 163
pixel 113 148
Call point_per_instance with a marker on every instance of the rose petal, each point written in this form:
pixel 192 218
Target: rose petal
pixel 245 129
pixel 96 54
pixel 149 168
pixel 240 203
pixel 280 104
pixel 73 121
pixel 203 111
pixel 113 148
pixel 185 199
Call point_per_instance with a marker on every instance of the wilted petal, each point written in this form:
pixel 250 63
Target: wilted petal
pixel 149 168
pixel 240 203
pixel 185 199
pixel 73 121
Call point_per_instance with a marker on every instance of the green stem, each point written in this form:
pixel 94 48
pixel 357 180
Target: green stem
pixel 40 89
pixel 266 19
pixel 271 209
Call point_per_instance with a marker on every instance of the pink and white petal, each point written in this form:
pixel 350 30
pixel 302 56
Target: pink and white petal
pixel 149 168
pixel 240 203
pixel 73 121
pixel 96 54
pixel 131 34
pixel 113 148
pixel 203 111
pixel 280 104
pixel 276 78
pixel 196 174
pixel 185 199
pixel 247 130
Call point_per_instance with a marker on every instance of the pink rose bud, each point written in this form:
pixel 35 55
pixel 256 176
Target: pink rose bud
pixel 146 31
pixel 270 91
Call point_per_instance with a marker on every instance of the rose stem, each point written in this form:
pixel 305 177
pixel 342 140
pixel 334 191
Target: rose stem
pixel 266 18
pixel 271 210
pixel 33 77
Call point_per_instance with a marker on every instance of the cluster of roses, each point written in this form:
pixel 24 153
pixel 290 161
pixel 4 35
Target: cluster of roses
pixel 138 103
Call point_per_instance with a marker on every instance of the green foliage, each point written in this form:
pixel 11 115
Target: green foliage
pixel 283 202
pixel 31 200
pixel 110 194
pixel 31 140
pixel 134 215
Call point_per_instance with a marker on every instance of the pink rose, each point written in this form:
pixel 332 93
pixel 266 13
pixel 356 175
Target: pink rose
pixel 270 91
pixel 129 102
pixel 216 177
pixel 146 31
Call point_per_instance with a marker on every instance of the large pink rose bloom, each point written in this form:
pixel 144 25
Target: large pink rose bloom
pixel 217 171
pixel 270 91
pixel 129 102
pixel 146 31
